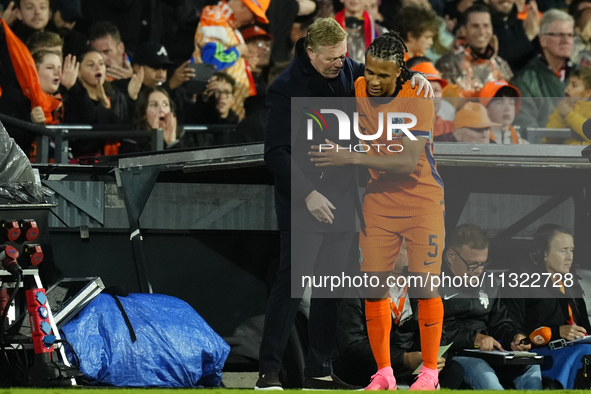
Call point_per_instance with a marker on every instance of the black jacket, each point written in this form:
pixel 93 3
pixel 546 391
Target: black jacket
pixel 278 13
pixel 546 305
pixel 514 46
pixel 252 127
pixel 352 341
pixel 286 146
pixel 475 310
pixel 79 108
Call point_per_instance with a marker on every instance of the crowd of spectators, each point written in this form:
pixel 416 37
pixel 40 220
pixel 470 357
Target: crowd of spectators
pixel 524 62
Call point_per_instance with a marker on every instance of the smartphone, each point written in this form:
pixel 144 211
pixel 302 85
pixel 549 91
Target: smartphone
pixel 203 73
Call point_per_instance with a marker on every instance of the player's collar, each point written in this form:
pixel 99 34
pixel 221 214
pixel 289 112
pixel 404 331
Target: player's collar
pixel 386 100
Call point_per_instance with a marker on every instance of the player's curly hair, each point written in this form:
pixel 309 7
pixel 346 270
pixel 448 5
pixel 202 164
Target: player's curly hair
pixel 390 46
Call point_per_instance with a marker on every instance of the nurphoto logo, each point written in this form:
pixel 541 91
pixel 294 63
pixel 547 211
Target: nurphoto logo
pixel 395 127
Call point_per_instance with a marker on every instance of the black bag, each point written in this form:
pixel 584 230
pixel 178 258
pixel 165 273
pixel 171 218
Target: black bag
pixel 583 377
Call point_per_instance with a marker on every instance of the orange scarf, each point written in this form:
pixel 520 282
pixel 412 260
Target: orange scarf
pixel 514 136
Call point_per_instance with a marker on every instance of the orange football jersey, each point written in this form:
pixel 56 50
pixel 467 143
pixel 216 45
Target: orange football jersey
pixel 419 193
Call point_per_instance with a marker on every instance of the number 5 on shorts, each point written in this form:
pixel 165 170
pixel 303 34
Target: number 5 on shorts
pixel 432 243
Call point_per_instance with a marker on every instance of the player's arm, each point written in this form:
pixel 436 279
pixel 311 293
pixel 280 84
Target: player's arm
pixel 403 162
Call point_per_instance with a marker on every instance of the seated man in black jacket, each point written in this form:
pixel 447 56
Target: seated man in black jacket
pixel 475 317
pixel 355 358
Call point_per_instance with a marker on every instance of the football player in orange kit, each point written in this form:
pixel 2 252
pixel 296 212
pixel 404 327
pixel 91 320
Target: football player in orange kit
pixel 403 201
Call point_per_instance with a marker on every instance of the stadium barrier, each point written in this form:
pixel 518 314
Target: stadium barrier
pixel 63 133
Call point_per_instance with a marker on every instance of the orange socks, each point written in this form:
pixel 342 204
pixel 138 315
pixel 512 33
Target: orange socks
pixel 430 324
pixel 378 317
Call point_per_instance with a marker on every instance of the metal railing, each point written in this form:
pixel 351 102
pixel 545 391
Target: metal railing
pixel 224 133
pixel 63 133
pixel 536 135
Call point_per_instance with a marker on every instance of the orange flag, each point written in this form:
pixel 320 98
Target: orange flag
pixel 26 74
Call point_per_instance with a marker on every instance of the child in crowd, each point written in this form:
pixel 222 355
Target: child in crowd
pixel 214 107
pixel 442 126
pixel 575 109
pixel 419 28
pixel 502 102
pixel 49 70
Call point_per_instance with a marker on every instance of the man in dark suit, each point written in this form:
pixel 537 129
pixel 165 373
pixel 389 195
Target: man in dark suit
pixel 320 236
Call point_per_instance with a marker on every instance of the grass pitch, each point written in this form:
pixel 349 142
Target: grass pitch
pixel 86 390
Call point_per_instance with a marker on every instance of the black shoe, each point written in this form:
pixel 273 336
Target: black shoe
pixel 268 381
pixel 335 384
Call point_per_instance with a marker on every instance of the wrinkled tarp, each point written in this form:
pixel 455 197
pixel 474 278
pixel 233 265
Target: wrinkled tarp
pixel 175 347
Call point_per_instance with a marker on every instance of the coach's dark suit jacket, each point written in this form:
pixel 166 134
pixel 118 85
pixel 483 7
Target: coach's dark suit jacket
pixel 286 145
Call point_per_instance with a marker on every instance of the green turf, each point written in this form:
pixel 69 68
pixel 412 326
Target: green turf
pixel 80 390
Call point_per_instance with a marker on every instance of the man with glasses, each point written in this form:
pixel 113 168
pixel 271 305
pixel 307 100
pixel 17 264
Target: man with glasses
pixel 258 56
pixel 474 316
pixel 546 75
pixel 223 93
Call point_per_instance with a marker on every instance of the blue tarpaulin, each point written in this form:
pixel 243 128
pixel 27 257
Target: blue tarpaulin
pixel 564 363
pixel 175 347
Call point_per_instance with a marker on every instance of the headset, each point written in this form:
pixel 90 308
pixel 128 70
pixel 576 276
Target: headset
pixel 542 239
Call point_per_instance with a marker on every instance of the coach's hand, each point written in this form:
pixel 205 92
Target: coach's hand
pixel 422 84
pixel 331 154
pixel 487 343
pixel 320 207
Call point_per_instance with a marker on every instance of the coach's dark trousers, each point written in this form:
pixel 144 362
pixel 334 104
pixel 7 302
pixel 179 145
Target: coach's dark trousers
pixel 313 254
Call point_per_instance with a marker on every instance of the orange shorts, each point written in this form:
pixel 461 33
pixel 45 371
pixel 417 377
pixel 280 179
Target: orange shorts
pixel 381 241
